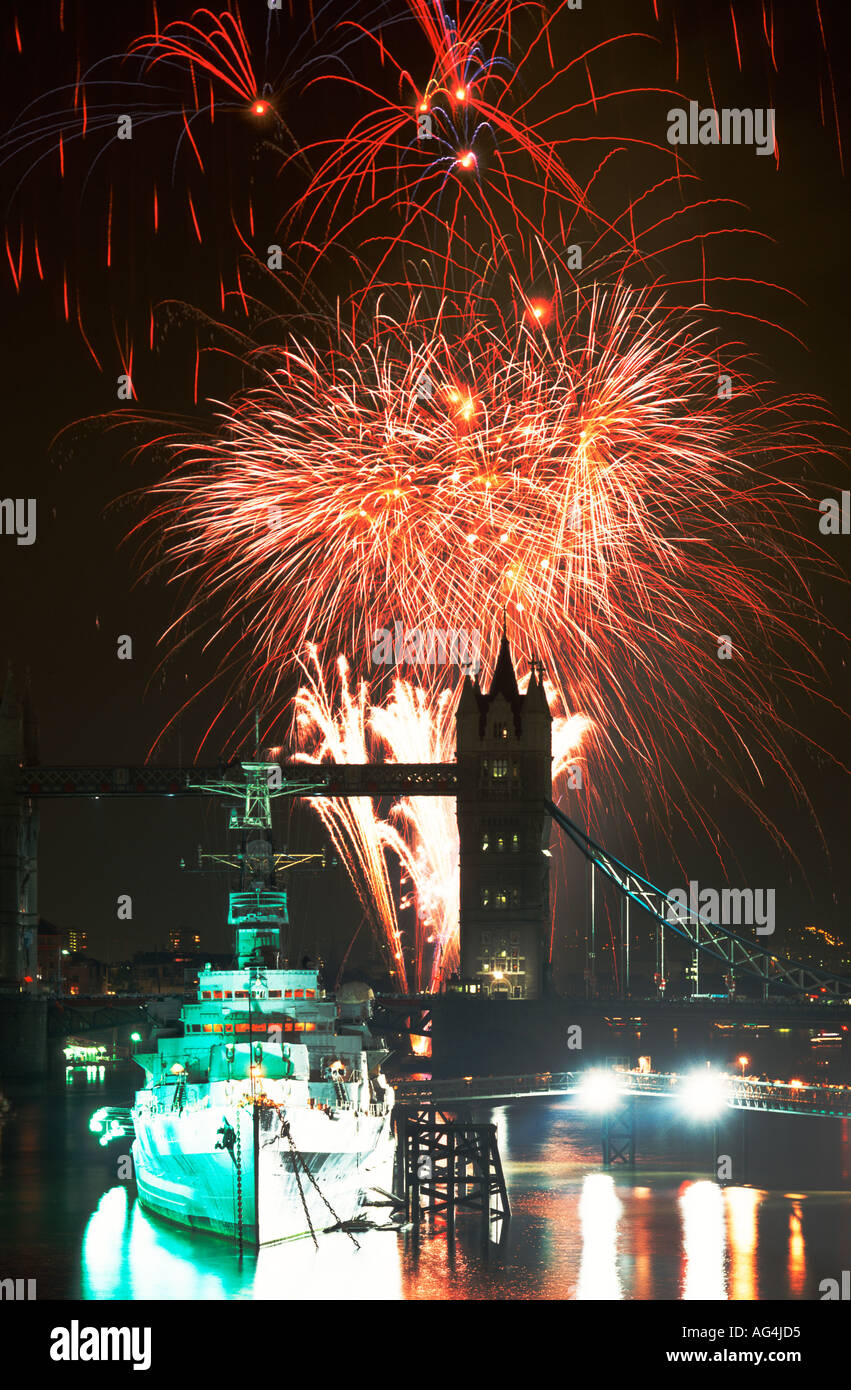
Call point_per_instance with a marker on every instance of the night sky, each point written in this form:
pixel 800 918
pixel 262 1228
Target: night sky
pixel 68 597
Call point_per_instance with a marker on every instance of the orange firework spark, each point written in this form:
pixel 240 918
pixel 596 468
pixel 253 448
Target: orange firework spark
pixel 412 726
pixel 591 475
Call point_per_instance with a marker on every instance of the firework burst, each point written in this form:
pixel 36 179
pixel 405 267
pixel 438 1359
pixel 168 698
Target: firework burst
pixel 591 473
pixel 421 833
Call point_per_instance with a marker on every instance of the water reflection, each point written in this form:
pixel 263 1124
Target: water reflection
pixel 660 1231
pixel 704 1241
pixel 599 1212
pixel 127 1254
pixel 797 1252
pixel 742 1205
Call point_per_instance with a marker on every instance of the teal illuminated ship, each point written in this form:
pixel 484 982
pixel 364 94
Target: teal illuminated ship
pixel 268 1117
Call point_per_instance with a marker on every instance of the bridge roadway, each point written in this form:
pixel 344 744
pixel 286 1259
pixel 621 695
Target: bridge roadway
pixel 297 779
pixel 742 1093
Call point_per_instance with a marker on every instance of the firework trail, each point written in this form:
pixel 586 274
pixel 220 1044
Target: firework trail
pixel 480 422
pixel 412 726
pixel 476 157
pixel 352 823
pixel 582 473
pixel 144 135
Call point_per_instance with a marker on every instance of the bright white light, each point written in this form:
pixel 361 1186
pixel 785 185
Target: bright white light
pixel 598 1091
pixel 704 1093
pixel 599 1213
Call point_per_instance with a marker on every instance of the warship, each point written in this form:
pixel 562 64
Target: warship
pixel 267 1116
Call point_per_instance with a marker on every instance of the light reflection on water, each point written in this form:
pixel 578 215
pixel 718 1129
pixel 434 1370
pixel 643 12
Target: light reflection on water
pixel 704 1240
pixel 576 1232
pixel 127 1254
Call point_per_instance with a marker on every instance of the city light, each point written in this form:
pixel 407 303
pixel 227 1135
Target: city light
pixel 598 1091
pixel 704 1093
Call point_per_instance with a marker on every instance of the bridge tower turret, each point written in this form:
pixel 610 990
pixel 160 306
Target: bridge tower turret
pixel 504 753
pixel 18 842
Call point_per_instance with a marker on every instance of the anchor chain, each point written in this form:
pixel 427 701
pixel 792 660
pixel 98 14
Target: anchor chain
pixel 239 1180
pixel 297 1159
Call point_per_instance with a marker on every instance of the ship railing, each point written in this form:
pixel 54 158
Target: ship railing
pixel 375 1108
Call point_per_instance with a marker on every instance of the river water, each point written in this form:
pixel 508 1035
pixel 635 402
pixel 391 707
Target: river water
pixel 661 1231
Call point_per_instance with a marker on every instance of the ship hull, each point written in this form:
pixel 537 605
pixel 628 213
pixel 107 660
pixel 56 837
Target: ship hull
pixel 263 1187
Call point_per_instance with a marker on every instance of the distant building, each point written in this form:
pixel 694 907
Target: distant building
pixel 818 948
pixel 55 948
pixel 156 972
pixel 51 942
pixel 160 972
pixel 183 940
pixel 82 974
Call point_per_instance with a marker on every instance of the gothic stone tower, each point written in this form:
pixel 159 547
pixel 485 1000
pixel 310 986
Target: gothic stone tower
pixel 18 843
pixel 504 753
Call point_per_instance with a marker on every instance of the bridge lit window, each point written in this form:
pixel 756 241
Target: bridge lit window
pixel 515 843
pixel 485 843
pixel 486 897
pixel 500 731
pixel 501 897
pixel 500 768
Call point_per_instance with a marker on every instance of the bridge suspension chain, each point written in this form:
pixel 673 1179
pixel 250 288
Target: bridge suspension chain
pixel 714 940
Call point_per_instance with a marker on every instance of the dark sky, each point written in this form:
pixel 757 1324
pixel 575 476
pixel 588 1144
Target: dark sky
pixel 67 598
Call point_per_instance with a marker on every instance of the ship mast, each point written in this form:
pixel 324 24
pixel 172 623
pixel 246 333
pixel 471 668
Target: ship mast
pixel 257 905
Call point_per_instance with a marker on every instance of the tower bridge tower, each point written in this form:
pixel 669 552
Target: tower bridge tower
pixel 18 842
pixel 504 756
